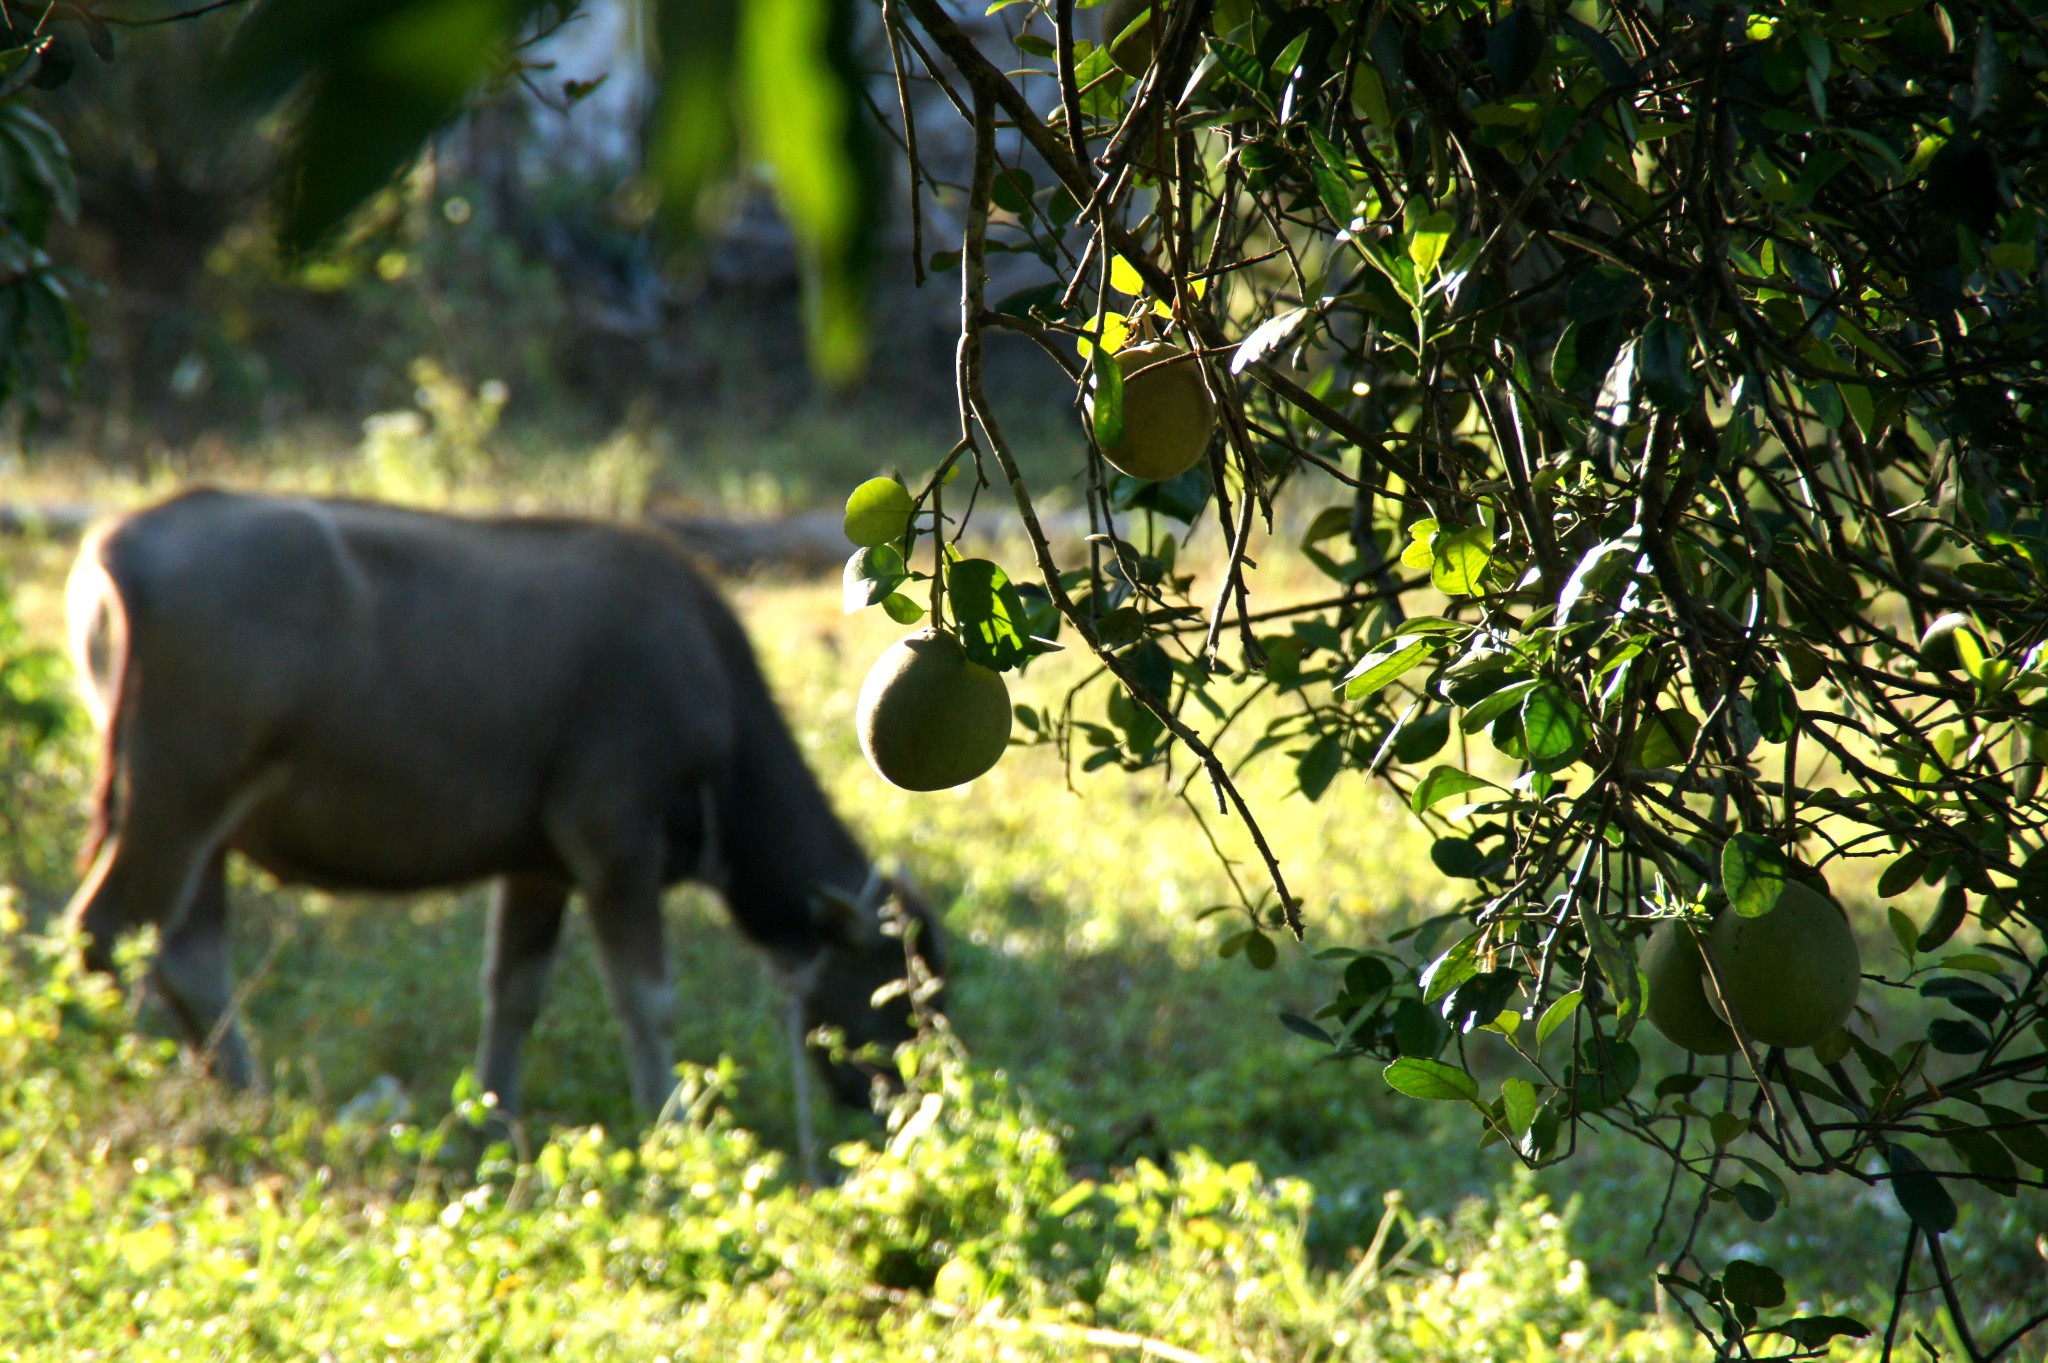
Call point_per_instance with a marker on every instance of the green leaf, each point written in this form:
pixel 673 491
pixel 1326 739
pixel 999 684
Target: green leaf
pixel 1919 1193
pixel 1598 294
pixel 1108 400
pixel 1459 560
pixel 989 613
pixel 1584 353
pixel 1301 1026
pixel 1982 1154
pixel 1617 963
pixel 693 131
pixel 1557 1015
pixel 1514 48
pixel 902 609
pixel 1753 873
pixel 1553 728
pixel 1318 766
pixel 1377 670
pixel 1485 712
pixel 1431 1079
pixel 1369 96
pixel 1333 179
pixel 1426 244
pixel 1968 995
pixel 1756 1201
pixel 1666 738
pixel 1267 337
pixel 801 79
pixel 47 162
pixel 1459 858
pixel 1441 784
pixel 878 512
pixel 1607 1072
pixel 1614 68
pixel 1970 651
pixel 1752 1284
pixel 1518 1105
pixel 1011 191
pixel 1905 931
pixel 1813 1332
pixel 1902 874
pixel 1260 951
pixel 383 80
pixel 1774 706
pixel 1423 737
pixel 2024 1137
pixel 1663 361
pixel 870 576
pixel 1450 970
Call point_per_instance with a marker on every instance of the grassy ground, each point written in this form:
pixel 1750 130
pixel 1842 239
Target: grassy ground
pixel 1132 1148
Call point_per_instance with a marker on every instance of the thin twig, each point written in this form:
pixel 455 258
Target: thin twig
pixel 973 263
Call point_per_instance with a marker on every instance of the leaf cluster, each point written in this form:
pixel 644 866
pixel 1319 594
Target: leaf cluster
pixel 1673 375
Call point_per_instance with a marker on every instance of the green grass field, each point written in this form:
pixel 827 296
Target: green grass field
pixel 1123 1155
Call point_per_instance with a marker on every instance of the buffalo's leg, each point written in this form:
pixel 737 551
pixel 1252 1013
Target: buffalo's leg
pixel 519 954
pixel 616 856
pixel 147 873
pixel 195 978
pixel 625 917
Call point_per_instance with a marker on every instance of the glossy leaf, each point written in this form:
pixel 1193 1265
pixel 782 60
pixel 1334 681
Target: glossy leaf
pixel 1515 47
pixel 1557 1015
pixel 989 613
pixel 871 574
pixel 1554 728
pixel 1665 364
pixel 1377 670
pixel 1426 243
pixel 1459 560
pixel 1441 784
pixel 877 512
pixel 1108 400
pixel 1753 872
pixel 1431 1079
pixel 1814 1332
pixel 1519 1105
pixel 1919 1193
pixel 1752 1284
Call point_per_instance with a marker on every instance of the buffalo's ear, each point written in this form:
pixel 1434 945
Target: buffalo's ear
pixel 839 916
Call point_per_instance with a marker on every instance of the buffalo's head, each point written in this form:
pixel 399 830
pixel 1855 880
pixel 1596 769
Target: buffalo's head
pixel 878 975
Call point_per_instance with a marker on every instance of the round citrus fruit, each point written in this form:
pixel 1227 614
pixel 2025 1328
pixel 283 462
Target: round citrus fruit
pixel 1938 645
pixel 929 717
pixel 1792 975
pixel 1131 49
pixel 1168 416
pixel 1678 993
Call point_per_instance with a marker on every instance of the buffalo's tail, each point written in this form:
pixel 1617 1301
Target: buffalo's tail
pixel 98 623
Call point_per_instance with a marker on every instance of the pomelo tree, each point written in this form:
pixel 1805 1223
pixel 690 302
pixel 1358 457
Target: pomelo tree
pixel 1672 378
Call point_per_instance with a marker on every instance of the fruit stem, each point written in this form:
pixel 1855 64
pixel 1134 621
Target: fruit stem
pixel 1786 1131
pixel 972 264
pixel 938 558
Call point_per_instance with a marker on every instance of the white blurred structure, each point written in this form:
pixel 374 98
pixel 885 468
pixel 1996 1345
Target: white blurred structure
pixel 607 41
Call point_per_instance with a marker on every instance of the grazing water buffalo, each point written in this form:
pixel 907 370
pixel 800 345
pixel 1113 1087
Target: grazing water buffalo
pixel 361 697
